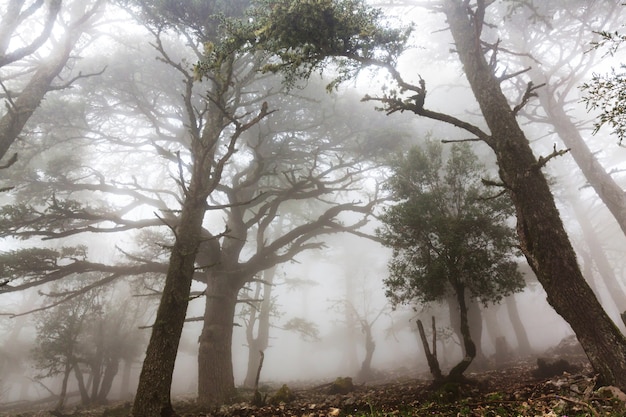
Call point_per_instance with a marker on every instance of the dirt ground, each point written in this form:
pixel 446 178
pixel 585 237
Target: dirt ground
pixel 519 388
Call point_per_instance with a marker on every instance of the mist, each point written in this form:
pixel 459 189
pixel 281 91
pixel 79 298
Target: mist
pixel 293 183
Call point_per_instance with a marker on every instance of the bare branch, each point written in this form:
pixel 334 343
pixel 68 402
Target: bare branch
pixel 528 94
pixel 542 161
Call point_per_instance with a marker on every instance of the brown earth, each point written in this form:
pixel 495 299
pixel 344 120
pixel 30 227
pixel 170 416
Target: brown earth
pixel 520 388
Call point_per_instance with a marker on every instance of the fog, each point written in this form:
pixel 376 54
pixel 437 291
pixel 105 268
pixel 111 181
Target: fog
pixel 91 209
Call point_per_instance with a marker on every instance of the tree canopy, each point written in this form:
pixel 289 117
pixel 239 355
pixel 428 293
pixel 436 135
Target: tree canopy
pixel 447 230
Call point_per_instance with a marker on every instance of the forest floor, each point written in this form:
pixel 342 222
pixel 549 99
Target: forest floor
pixel 519 388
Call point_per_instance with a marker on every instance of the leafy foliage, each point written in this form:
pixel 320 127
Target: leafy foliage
pixel 301 36
pixel 607 93
pixel 306 329
pixel 447 230
pixel 202 17
pixel 31 262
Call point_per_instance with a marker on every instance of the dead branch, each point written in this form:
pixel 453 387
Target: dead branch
pixel 506 76
pixel 460 140
pixel 528 94
pixel 544 160
pixel 76 78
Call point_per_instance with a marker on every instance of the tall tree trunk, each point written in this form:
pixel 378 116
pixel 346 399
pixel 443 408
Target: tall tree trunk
pixel 153 393
pixel 598 255
pixel 611 194
pixel 542 236
pixel 216 383
pixel 523 344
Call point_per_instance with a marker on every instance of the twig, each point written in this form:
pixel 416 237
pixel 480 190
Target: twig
pixel 528 94
pixel 544 160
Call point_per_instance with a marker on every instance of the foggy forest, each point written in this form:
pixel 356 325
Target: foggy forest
pixel 312 208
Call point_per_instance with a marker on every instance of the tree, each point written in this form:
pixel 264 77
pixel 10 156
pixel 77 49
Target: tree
pixel 19 44
pixel 153 392
pixel 543 239
pixel 560 76
pixel 256 315
pixel 296 170
pixel 449 236
pixel 275 167
pixel 89 334
pixel 58 337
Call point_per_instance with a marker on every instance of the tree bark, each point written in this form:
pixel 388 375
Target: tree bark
pixel 216 383
pixel 542 236
pixel 153 393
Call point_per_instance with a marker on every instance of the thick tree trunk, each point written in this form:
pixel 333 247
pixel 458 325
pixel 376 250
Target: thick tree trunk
pixel 216 383
pixel 475 322
pixel 542 236
pixel 153 393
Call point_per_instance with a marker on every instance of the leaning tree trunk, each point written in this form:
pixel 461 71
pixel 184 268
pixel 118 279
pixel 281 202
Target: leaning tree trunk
pixel 216 383
pixel 543 239
pixel 601 181
pixel 153 393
